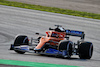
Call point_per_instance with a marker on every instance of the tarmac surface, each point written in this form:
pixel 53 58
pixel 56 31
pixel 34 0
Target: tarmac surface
pixel 14 21
pixel 92 6
pixel 3 65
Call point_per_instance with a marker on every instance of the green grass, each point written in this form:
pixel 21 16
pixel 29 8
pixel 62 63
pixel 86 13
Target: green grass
pixel 51 9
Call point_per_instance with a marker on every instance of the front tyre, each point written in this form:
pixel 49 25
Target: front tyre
pixel 85 50
pixel 66 48
pixel 21 40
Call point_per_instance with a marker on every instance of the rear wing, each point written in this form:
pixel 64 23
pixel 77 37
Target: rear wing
pixel 75 33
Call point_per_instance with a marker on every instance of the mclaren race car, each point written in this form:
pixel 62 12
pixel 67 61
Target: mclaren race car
pixel 56 42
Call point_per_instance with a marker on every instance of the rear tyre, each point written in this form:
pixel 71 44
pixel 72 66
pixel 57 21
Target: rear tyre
pixel 21 40
pixel 85 50
pixel 66 46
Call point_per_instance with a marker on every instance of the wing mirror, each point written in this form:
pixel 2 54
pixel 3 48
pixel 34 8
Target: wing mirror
pixel 37 33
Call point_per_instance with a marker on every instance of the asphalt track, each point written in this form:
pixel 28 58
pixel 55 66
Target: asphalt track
pixel 2 65
pixel 15 21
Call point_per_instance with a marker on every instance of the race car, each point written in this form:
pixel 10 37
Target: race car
pixel 56 42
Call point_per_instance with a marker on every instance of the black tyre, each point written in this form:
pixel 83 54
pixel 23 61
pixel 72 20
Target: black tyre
pixel 85 50
pixel 66 46
pixel 21 40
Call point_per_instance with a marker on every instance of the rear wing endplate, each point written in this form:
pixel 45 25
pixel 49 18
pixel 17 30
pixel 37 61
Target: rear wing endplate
pixel 75 33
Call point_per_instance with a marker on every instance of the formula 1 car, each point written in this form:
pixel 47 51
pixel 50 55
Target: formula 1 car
pixel 56 42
